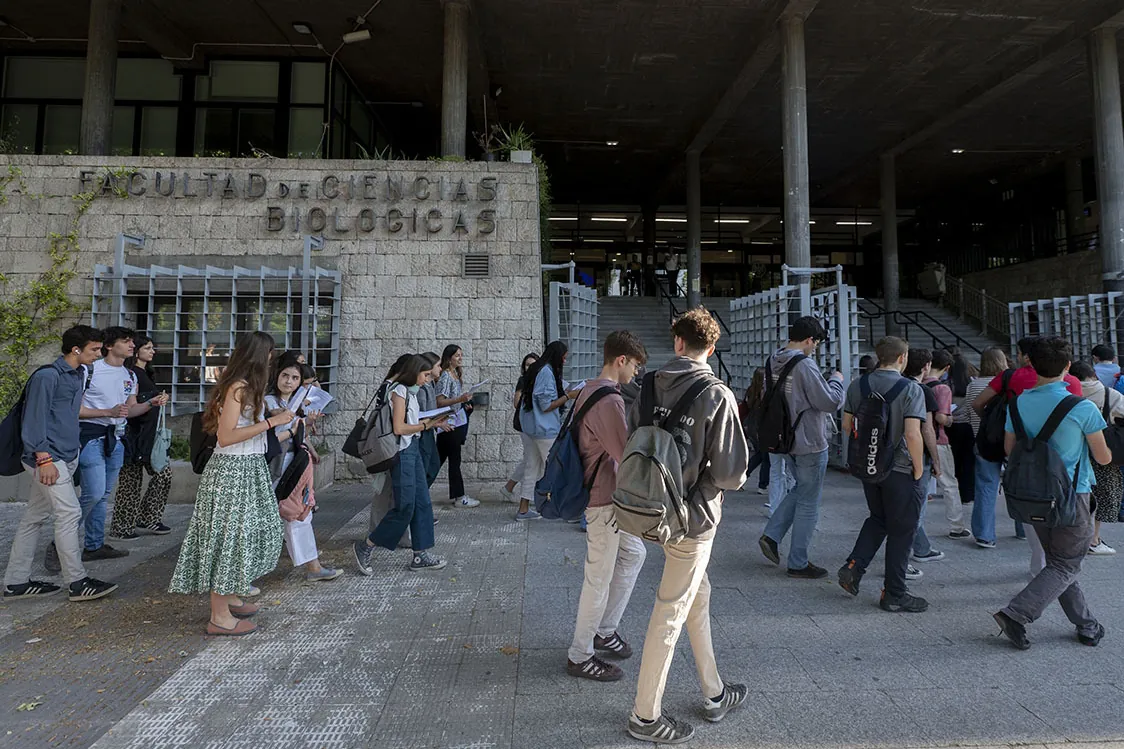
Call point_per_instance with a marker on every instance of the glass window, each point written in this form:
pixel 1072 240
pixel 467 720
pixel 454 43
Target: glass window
pixel 44 77
pixel 62 127
pixel 17 128
pixel 123 131
pixel 147 79
pixel 308 83
pixel 214 132
pixel 256 132
pixel 306 131
pixel 238 80
pixel 158 131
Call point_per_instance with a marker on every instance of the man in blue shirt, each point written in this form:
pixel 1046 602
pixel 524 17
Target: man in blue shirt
pixel 1079 434
pixel 1104 364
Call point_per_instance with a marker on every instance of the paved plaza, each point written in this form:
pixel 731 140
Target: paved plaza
pixel 474 655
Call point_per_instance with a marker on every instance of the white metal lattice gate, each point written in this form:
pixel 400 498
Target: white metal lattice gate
pixel 572 319
pixel 1085 321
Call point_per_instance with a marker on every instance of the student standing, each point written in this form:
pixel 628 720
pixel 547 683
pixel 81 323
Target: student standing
pixel 235 533
pixel 716 458
pixel 413 508
pixel 960 436
pixel 917 369
pixel 133 511
pixel 895 504
pixel 427 401
pixel 516 475
pixel 811 401
pixel 1105 366
pixel 1078 436
pixel 993 363
pixel 541 418
pixel 450 392
pixel 49 431
pixel 1108 487
pixel 946 480
pixel 613 558
pixel 754 397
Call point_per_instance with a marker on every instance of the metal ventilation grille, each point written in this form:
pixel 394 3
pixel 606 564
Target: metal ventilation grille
pixel 477 266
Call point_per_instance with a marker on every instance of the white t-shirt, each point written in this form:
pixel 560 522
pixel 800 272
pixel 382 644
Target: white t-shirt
pixel 109 387
pixel 411 413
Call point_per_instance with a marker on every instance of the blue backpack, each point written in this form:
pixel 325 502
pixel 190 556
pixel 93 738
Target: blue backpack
pixel 561 493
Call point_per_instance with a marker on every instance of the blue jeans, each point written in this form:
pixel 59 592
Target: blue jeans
pixel 800 510
pixel 781 481
pixel 412 506
pixel 921 545
pixel 97 473
pixel 760 460
pixel 987 494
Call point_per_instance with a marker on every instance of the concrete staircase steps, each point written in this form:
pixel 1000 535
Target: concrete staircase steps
pixel 649 318
pixel 939 322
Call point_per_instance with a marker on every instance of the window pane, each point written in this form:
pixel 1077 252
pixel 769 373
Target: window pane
pixel 214 132
pixel 123 131
pixel 44 77
pixel 238 80
pixel 147 79
pixel 158 131
pixel 61 133
pixel 361 122
pixel 18 128
pixel 308 83
pixel 306 130
pixel 255 132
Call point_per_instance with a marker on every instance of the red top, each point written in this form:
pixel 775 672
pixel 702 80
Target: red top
pixel 1026 378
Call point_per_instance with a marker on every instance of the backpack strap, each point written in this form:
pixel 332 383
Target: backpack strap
pixel 684 403
pixel 1056 416
pixel 1017 419
pixel 864 386
pixel 573 419
pixel 1007 375
pixel 647 399
pixel 898 388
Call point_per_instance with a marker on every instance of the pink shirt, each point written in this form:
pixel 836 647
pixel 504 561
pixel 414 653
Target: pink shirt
pixel 602 436
pixel 943 394
pixel 1025 378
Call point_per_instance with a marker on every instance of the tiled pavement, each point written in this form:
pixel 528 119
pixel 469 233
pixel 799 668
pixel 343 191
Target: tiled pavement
pixel 473 656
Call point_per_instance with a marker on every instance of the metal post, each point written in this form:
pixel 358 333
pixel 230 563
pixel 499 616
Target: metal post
pixel 137 240
pixel 310 243
pixel 1109 136
pixel 454 79
pixel 694 229
pixel 890 279
pixel 797 210
pixel 96 135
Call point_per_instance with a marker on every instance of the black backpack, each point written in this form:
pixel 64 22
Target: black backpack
pixel 11 435
pixel 776 431
pixel 993 423
pixel 202 443
pixel 870 452
pixel 1039 489
pixel 1114 432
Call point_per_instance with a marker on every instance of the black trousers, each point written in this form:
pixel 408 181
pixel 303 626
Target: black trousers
pixel 962 442
pixel 449 449
pixel 895 508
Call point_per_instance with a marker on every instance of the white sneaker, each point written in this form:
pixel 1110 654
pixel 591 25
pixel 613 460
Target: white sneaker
pixel 466 501
pixel 912 573
pixel 763 491
pixel 1102 549
pixel 508 496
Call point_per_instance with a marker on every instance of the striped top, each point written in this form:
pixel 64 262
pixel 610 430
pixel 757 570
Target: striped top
pixel 975 387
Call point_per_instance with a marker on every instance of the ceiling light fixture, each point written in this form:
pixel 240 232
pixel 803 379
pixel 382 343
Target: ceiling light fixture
pixel 610 219
pixel 302 27
pixel 731 220
pixel 958 151
pixel 670 220
pixel 563 218
pixel 612 143
pixel 854 223
pixel 352 37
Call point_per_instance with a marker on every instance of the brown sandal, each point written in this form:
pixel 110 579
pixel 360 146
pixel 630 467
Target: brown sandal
pixel 245 611
pixel 239 629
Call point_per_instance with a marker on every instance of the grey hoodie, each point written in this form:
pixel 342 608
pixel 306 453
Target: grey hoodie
pixel 808 393
pixel 711 434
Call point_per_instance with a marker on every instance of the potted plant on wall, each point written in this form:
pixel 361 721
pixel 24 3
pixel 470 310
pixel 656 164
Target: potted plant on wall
pixel 517 143
pixel 489 142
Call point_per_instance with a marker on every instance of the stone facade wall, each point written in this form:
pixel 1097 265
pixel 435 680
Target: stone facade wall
pixel 396 231
pixel 1065 275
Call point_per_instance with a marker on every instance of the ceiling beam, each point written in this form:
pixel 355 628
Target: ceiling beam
pixel 1048 55
pixel 145 20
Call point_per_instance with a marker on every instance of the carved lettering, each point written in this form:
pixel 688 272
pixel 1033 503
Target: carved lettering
pixel 275 218
pixel 366 222
pixel 421 188
pixel 394 220
pixel 187 193
pixel 369 187
pixel 486 190
pixel 171 180
pixel 336 227
pixel 459 226
pixel 230 187
pixel 255 185
pixel 330 187
pixel 433 221
pixel 283 190
pixel 317 220
pixel 137 183
pixel 210 182
pixel 461 194
pixel 487 222
pixel 394 188
pixel 302 189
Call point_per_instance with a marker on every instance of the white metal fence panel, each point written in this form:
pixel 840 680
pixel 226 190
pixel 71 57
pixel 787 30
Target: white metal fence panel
pixel 1084 321
pixel 573 320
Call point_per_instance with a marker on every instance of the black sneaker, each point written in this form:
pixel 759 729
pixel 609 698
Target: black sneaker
pixel 105 551
pixel 33 589
pixel 594 669
pixel 1091 641
pixel 849 577
pixel 126 536
pixel 363 557
pixel 51 559
pixel 156 529
pixel 903 604
pixel 663 730
pixel 614 645
pixel 732 696
pixel 959 534
pixel 769 549
pixel 811 572
pixel 89 589
pixel 1015 632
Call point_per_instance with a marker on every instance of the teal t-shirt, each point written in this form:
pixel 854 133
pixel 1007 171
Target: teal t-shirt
pixel 1036 405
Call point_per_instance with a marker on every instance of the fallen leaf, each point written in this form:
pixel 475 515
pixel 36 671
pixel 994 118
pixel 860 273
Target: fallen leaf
pixel 101 691
pixel 509 650
pixel 150 659
pixel 276 601
pixel 467 646
pixel 28 706
pixel 33 640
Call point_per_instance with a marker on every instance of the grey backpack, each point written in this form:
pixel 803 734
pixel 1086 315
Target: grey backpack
pixel 1039 489
pixel 650 498
pixel 378 447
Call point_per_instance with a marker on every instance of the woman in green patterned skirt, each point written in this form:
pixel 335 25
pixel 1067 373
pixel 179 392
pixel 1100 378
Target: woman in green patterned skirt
pixel 235 532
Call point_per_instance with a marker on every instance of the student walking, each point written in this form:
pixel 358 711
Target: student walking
pixel 750 414
pixel 961 438
pixel 716 458
pixel 450 392
pixel 1072 439
pixel 895 501
pixel 917 368
pixel 794 380
pixel 1108 487
pixel 993 363
pixel 613 558
pixel 132 510
pixel 947 480
pixel 427 401
pixel 412 508
pixel 49 432
pixel 516 475
pixel 234 536
pixel 541 418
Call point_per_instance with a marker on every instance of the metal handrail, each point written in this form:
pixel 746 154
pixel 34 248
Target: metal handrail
pixel 905 319
pixel 968 302
pixel 673 312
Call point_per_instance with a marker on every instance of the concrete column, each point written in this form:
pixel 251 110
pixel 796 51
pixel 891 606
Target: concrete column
pixel 694 229
pixel 454 79
pixel 797 209
pixel 1109 136
pixel 101 78
pixel 890 280
pixel 1074 201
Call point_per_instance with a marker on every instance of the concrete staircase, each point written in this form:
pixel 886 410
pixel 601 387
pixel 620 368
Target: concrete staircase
pixel 649 318
pixel 935 321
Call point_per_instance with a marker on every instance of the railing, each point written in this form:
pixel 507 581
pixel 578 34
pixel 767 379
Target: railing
pixel 673 312
pixel 919 319
pixel 970 303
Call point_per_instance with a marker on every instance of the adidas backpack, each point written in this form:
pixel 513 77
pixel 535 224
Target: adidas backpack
pixel 562 493
pixel 776 431
pixel 870 451
pixel 1039 489
pixel 650 499
pixel 993 423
